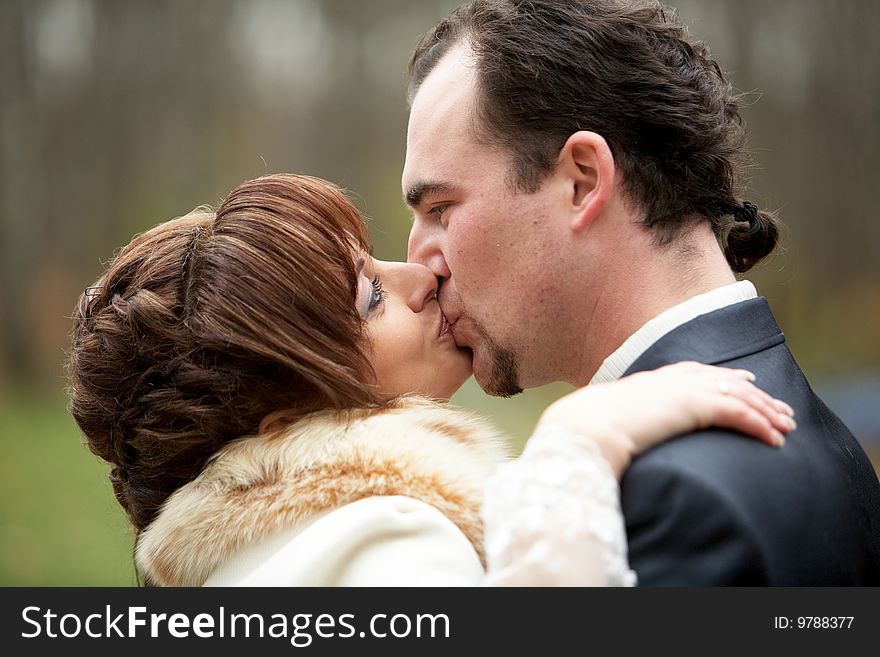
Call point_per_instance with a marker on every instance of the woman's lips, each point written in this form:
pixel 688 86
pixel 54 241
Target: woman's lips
pixel 444 326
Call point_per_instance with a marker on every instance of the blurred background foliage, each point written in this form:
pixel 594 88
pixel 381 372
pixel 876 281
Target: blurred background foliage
pixel 118 114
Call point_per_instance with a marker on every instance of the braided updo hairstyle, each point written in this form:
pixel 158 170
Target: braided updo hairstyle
pixel 205 325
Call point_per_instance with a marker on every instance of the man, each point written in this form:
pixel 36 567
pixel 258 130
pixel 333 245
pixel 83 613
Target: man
pixel 572 169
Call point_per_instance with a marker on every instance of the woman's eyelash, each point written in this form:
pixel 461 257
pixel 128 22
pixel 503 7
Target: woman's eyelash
pixel 379 293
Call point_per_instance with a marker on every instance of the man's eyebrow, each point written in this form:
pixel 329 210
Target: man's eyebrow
pixel 416 194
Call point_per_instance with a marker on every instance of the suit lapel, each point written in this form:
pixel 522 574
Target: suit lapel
pixel 732 332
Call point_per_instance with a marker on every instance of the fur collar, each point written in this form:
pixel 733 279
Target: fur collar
pixel 258 485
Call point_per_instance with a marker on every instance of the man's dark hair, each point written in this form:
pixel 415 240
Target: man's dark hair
pixel 627 71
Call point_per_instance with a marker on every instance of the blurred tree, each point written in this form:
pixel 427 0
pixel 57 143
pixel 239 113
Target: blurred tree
pixel 116 115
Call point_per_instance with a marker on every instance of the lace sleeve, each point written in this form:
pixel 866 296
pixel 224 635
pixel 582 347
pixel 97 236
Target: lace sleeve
pixel 552 517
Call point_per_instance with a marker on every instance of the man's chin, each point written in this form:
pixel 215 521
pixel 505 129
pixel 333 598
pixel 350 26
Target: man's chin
pixel 496 374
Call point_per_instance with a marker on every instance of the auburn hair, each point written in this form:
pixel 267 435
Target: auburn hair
pixel 208 324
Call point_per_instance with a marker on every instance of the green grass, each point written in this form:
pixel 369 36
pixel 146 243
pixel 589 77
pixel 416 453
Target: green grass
pixel 59 522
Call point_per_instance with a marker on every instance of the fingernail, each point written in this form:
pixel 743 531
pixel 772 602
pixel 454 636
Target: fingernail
pixel 750 375
pixel 778 438
pixel 785 408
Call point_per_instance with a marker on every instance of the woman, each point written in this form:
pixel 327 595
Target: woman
pixel 270 399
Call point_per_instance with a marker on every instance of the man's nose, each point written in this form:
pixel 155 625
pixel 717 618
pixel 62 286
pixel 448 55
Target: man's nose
pixel 425 248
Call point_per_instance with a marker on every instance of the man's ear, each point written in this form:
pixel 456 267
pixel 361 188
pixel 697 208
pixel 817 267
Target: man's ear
pixel 587 163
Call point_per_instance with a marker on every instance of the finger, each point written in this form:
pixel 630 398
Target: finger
pixel 737 383
pixel 783 407
pixel 733 413
pixel 779 405
pixel 776 403
pixel 688 367
pixel 744 374
pixel 763 403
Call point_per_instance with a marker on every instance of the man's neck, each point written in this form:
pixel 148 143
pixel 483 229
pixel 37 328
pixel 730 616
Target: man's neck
pixel 644 281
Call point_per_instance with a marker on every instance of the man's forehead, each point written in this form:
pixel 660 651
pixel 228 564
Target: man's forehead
pixel 455 69
pixel 447 92
pixel 440 117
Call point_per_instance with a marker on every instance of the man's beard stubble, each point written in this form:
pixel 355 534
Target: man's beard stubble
pixel 504 370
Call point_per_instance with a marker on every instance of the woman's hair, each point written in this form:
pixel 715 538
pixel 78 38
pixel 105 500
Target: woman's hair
pixel 205 325
pixel 628 71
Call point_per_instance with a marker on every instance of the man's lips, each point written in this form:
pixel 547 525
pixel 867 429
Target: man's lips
pixel 460 339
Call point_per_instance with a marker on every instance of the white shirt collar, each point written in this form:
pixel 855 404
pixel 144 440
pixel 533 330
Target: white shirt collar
pixel 638 343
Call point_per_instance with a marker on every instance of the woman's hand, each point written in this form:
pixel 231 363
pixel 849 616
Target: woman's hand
pixel 631 415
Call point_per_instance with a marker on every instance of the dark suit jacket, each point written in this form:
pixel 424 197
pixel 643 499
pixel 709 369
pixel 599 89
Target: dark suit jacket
pixel 716 508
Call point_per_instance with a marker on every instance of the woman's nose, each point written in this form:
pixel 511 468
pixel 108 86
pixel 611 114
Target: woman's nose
pixel 417 283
